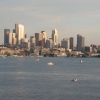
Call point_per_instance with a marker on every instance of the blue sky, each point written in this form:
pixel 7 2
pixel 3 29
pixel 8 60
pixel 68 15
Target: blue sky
pixel 69 17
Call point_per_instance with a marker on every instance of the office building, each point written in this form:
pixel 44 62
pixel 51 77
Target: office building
pixel 43 34
pixel 71 43
pixel 6 36
pixel 25 36
pixel 49 43
pixel 14 31
pixel 14 41
pixel 80 43
pixel 13 35
pixel 55 37
pixel 26 45
pixel 65 43
pixel 10 38
pixel 19 30
pixel 39 37
pixel 24 40
pixel 88 49
pixel 32 41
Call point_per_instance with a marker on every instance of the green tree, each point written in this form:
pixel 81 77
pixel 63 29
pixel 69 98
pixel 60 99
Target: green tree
pixel 31 50
pixel 45 55
pixel 83 55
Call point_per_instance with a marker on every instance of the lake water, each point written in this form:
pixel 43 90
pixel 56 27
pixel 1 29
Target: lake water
pixel 27 79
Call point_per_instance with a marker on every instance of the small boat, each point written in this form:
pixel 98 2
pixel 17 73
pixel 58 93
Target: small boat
pixel 81 61
pixel 4 57
pixel 75 80
pixel 36 59
pixel 50 63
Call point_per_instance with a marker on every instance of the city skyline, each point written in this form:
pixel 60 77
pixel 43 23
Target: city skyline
pixel 69 17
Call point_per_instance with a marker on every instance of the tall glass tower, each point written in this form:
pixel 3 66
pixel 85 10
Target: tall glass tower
pixel 55 37
pixel 80 42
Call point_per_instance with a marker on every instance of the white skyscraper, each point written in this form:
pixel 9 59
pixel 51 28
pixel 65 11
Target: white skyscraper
pixel 14 39
pixel 55 37
pixel 43 34
pixel 19 29
pixel 10 38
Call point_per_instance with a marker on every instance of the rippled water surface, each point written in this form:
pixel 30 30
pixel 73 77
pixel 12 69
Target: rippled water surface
pixel 27 79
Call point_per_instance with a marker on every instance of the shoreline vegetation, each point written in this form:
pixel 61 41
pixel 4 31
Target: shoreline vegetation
pixel 50 55
pixel 47 53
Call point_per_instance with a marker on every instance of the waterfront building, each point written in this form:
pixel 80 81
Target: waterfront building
pixel 98 50
pixel 94 46
pixel 19 30
pixel 80 43
pixel 55 37
pixel 6 36
pixel 88 49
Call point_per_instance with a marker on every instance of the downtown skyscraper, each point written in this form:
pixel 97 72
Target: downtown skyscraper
pixel 71 43
pixel 80 43
pixel 19 30
pixel 55 37
pixel 6 36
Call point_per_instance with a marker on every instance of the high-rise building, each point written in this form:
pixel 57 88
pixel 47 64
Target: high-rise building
pixel 39 37
pixel 71 43
pixel 65 43
pixel 14 39
pixel 49 43
pixel 10 38
pixel 24 40
pixel 42 43
pixel 13 30
pixel 25 36
pixel 32 41
pixel 43 34
pixel 6 36
pixel 13 35
pixel 88 49
pixel 26 45
pixel 19 30
pixel 80 43
pixel 55 37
